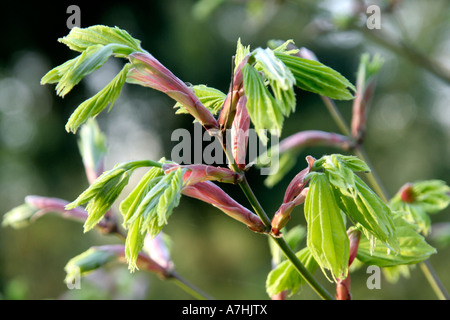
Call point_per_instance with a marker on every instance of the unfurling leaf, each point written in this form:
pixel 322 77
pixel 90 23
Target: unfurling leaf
pixel 418 200
pixel 365 84
pixel 268 109
pixel 356 199
pixel 99 256
pixel 96 44
pixel 96 104
pixel 316 77
pixel 92 146
pixel 88 261
pixel 38 206
pixel 263 109
pixel 73 71
pixel 412 247
pixel 147 209
pixel 432 195
pixel 19 216
pixel 273 68
pixel 284 277
pixel 241 53
pixel 327 237
pixel 340 171
pixel 79 39
pixel 367 209
pixel 104 191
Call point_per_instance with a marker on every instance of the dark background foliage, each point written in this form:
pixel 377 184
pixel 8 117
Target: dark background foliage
pixel 407 138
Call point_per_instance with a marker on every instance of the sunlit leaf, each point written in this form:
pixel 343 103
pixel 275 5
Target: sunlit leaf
pixel 88 261
pixel 370 211
pixel 73 71
pixel 241 52
pixel 80 39
pixel 104 191
pixel 412 247
pixel 96 104
pixel 327 237
pixel 263 109
pixel 316 77
pixel 129 205
pixel 284 277
pixel 148 208
pixel 19 216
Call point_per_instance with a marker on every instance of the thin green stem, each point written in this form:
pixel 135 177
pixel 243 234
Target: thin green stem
pixel 188 287
pixel 434 280
pixel 307 276
pixel 255 203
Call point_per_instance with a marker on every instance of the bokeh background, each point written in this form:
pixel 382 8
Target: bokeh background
pixel 407 139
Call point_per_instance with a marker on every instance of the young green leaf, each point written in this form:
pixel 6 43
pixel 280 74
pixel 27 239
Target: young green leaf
pixel 134 243
pixel 211 98
pixel 314 76
pixel 148 207
pixel 88 261
pixel 339 175
pixel 279 77
pixel 92 146
pixel 104 191
pixel 273 68
pixel 433 195
pixel 80 39
pixel 340 171
pixel 129 205
pixel 418 200
pixel 73 71
pixel 284 277
pixel 412 247
pixel 19 216
pixel 415 214
pixel 327 237
pixel 263 109
pixel 96 104
pixel 241 53
pixel 370 211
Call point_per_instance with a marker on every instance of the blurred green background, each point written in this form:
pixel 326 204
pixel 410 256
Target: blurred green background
pixel 407 139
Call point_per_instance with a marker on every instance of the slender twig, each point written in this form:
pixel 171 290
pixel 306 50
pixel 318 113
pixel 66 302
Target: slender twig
pixel 188 287
pixel 405 50
pixel 434 280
